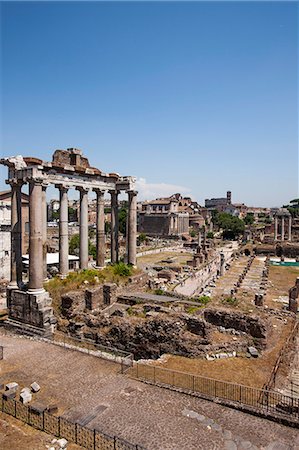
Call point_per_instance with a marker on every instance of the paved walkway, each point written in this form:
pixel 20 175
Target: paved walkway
pixel 88 388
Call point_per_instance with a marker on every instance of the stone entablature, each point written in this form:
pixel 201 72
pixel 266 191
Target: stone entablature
pixel 68 169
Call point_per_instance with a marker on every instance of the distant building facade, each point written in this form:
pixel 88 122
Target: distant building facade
pixel 219 203
pixel 5 230
pixel 161 217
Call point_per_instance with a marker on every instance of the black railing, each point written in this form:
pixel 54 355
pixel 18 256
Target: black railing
pixel 59 426
pixel 261 400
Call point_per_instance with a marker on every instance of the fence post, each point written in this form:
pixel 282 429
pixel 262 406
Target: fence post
pixel 94 439
pixel 154 374
pixel 137 370
pixel 76 432
pixel 43 420
pixel 59 426
pixel 15 408
pixel 193 383
pixel 114 442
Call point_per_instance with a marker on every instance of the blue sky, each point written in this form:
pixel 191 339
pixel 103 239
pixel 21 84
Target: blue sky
pixel 199 97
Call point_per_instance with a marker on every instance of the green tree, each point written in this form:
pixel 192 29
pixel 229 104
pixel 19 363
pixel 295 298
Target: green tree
pixel 122 219
pixel 232 226
pixel 210 234
pixel 74 245
pixel 142 238
pixel 249 219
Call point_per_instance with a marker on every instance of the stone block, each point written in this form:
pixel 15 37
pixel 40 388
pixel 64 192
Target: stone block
pixel 293 305
pixel 38 408
pixel 62 443
pixel 25 397
pixel 52 409
pixel 11 386
pixel 253 352
pixel 9 394
pixel 93 298
pixel 109 293
pixel 35 387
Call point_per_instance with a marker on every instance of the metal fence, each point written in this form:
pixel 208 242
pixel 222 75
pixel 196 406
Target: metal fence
pixel 261 400
pixel 285 355
pixel 89 438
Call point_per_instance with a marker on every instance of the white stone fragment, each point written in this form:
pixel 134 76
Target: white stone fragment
pixel 35 387
pixel 11 386
pixel 25 397
pixel 62 442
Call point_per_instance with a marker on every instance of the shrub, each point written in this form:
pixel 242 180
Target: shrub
pixel 203 299
pixel 122 269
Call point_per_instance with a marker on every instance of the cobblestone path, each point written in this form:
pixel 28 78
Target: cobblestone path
pixel 88 388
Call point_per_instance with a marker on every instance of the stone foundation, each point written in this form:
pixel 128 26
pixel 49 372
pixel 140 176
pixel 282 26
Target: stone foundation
pixel 31 309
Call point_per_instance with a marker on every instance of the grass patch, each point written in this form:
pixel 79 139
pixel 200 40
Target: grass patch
pixel 159 292
pixel 231 301
pixel 193 309
pixel 202 300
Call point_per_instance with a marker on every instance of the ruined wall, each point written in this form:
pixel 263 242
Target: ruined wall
pixel 25 308
pixel 241 322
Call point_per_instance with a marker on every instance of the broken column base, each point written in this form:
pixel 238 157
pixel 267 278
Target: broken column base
pixel 33 309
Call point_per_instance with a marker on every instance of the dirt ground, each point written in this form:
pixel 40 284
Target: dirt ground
pixel 281 279
pixel 179 258
pixel 15 435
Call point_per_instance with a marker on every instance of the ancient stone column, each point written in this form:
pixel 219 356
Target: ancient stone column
pixel 101 244
pixel 275 228
pixel 132 227
pixel 290 229
pixel 45 222
pixel 16 236
pixel 63 231
pixel 114 226
pixel 282 228
pixel 36 266
pixel 83 252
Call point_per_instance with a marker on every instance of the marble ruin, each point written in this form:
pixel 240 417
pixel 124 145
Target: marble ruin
pixel 30 303
pixel 281 216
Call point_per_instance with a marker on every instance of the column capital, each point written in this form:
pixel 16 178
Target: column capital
pixel 62 187
pixel 132 193
pixel 82 189
pixel 15 182
pixel 99 191
pixel 37 181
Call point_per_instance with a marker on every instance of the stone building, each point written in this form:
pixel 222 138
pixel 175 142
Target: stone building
pixel 69 169
pixel 161 217
pixel 5 230
pixel 219 203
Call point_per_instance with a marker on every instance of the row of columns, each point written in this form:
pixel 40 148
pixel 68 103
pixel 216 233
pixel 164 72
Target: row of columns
pixel 38 231
pixel 283 228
